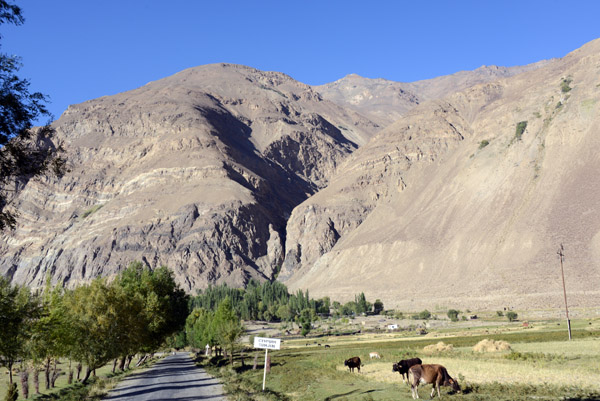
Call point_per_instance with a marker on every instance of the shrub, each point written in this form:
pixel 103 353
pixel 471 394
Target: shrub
pixel 453 315
pixel 12 393
pixel 520 129
pixel 564 85
pixel 499 313
pixel 483 143
pixel 512 316
pixel 423 315
pixel 91 210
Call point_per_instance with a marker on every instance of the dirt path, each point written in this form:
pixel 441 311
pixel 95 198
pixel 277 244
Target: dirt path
pixel 173 378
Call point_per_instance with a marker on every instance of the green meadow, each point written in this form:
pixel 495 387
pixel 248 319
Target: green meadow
pixel 541 364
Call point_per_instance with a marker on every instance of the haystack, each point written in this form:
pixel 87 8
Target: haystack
pixel 439 347
pixel 491 346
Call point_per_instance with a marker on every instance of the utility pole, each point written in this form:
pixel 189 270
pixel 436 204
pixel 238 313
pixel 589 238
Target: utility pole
pixel 562 271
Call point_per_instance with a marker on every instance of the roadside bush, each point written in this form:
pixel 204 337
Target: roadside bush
pixel 483 143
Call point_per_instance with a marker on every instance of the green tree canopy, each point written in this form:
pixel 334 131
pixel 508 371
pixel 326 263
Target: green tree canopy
pixel 19 310
pixel 24 153
pixel 227 326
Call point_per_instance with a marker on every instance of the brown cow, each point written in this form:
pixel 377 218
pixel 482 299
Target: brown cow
pixel 352 363
pixel 403 366
pixel 430 374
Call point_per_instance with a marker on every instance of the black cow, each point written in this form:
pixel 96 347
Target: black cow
pixel 403 366
pixel 352 363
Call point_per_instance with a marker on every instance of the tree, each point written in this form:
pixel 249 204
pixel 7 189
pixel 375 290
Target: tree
pixel 228 327
pixel 305 321
pixel 377 307
pixel 512 316
pixel 453 315
pixel 164 306
pixel 51 334
pixel 19 309
pixel 24 153
pixel 93 313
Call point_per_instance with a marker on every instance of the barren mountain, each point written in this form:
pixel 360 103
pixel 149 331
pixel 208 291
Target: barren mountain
pixel 464 201
pixel 452 192
pixel 386 101
pixel 197 171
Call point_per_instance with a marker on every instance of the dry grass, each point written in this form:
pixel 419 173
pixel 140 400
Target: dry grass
pixel 491 346
pixel 491 371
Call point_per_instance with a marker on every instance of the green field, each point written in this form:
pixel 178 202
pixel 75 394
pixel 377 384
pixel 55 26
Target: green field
pixel 541 365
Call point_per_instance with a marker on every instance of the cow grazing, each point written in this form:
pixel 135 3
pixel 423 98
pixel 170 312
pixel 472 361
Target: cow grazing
pixel 403 366
pixel 437 375
pixel 352 363
pixel 374 355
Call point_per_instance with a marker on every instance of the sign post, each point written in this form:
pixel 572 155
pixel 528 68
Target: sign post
pixel 266 344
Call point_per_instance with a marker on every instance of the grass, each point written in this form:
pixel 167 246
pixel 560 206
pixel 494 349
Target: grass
pixel 90 211
pixel 95 390
pixel 542 365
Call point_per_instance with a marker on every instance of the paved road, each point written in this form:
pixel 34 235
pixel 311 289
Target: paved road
pixel 172 378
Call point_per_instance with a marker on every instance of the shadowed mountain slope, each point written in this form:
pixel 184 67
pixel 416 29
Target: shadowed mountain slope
pixel 197 171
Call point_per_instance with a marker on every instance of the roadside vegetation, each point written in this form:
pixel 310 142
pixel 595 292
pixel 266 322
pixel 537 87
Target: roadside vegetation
pixel 76 332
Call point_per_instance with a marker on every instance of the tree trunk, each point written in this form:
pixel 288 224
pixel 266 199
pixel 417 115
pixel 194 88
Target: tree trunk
pixel 114 365
pixel 78 370
pixel 129 359
pixel 47 373
pixel 10 365
pixel 122 363
pixel 70 380
pixel 255 361
pixel 54 374
pixel 36 379
pixel 25 383
pixel 142 360
pixel 88 371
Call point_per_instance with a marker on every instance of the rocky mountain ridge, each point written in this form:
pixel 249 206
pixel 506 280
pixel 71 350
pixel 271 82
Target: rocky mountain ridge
pixel 464 201
pixel 226 173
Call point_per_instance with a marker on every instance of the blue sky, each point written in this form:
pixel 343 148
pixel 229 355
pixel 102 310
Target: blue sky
pixel 79 50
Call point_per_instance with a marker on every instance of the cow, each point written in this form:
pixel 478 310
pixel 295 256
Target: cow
pixel 374 355
pixel 437 375
pixel 403 366
pixel 352 363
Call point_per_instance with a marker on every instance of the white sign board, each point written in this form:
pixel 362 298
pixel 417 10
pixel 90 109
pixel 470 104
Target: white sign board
pixel 267 343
